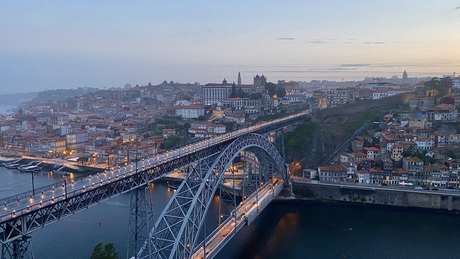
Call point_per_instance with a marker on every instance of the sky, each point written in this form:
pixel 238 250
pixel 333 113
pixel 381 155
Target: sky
pixel 108 43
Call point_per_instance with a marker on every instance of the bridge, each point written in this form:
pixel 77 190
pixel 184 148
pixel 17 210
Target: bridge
pixel 175 234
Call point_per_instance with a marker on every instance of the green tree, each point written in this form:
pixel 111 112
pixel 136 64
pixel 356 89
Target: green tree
pixel 170 142
pixel 104 252
pixel 281 91
pixel 233 94
pixel 255 96
pixel 82 159
pixel 271 88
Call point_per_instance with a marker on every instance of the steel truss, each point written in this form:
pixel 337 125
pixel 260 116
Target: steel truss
pixel 14 232
pixel 177 229
pixel 140 219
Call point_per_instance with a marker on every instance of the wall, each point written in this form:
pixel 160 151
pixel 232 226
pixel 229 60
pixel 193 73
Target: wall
pixel 431 200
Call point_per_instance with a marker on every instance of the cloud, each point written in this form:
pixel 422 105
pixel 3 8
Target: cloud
pixel 355 65
pixel 318 42
pixel 285 38
pixel 374 42
pixel 457 8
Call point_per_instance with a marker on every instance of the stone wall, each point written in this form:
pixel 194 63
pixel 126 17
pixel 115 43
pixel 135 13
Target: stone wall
pixel 430 200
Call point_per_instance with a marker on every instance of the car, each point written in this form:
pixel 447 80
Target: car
pixel 384 184
pixel 434 189
pixel 450 187
pixel 419 188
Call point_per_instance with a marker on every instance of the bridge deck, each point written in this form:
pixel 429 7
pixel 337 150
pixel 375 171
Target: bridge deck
pixel 27 202
pixel 247 211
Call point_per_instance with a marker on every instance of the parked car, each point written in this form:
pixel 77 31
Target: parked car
pixel 435 189
pixel 384 184
pixel 450 187
pixel 419 188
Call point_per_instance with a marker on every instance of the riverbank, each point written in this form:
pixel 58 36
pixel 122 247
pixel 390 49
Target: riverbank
pixel 54 165
pixel 403 198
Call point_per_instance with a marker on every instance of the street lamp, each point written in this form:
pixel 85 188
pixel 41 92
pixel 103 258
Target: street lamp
pixel 33 186
pixel 65 186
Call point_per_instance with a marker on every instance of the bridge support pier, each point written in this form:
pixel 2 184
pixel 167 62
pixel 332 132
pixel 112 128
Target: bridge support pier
pixel 19 248
pixel 140 219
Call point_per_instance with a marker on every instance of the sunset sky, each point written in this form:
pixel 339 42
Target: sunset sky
pixel 69 44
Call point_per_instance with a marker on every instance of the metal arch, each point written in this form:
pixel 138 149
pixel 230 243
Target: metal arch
pixel 177 228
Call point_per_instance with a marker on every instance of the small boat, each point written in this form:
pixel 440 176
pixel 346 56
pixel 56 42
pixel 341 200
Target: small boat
pixel 11 162
pixel 173 187
pixel 31 167
pixel 343 255
pixel 12 165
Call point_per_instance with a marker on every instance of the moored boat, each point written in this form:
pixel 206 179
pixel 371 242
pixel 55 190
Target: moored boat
pixel 31 167
pixel 12 165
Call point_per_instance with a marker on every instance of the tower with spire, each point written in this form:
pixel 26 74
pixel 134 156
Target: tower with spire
pixel 404 77
pixel 239 79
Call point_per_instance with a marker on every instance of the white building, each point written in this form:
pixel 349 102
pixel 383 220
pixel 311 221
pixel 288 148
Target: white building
pixel 188 112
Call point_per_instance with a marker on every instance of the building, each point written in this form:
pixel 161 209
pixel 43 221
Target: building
pixel 337 97
pixel 414 168
pixel 396 153
pixel 332 173
pixel 443 112
pixel 188 112
pixel 76 142
pixel 216 93
pixel 260 81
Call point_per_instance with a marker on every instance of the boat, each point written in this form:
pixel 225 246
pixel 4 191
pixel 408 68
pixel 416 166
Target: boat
pixel 31 167
pixel 173 186
pixel 12 165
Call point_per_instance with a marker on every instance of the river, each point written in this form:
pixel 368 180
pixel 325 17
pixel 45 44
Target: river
pixel 285 229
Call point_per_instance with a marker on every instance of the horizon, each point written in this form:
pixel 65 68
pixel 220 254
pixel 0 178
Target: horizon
pixel 55 45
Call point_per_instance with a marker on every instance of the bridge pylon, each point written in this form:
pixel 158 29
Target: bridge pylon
pixel 140 219
pixel 19 248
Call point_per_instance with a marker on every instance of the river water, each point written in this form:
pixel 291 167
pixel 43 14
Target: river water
pixel 285 229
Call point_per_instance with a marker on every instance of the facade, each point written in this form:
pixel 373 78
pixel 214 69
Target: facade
pixel 414 168
pixel 216 93
pixel 337 97
pixel 332 173
pixel 236 103
pixel 260 81
pixel 443 112
pixel 189 112
pixel 396 153
pixel 421 102
pixel 76 141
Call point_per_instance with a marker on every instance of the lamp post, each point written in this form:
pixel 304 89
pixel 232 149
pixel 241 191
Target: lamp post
pixel 33 185
pixel 65 186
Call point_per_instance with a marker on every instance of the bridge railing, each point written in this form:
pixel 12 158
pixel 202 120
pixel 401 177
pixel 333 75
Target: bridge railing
pixel 30 194
pixel 160 158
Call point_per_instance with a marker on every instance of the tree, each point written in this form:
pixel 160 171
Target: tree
pixel 104 252
pixel 439 87
pixel 281 91
pixel 255 96
pixel 233 94
pixel 271 88
pixel 82 159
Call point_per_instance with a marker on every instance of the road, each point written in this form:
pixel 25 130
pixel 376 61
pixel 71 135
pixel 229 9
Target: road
pixel 451 192
pixel 220 236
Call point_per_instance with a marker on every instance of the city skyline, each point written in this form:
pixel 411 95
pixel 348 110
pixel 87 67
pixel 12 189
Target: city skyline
pixel 51 44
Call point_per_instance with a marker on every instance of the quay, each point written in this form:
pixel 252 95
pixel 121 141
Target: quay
pixel 399 196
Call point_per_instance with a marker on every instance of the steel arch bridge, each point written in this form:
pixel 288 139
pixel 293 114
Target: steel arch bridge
pixel 176 232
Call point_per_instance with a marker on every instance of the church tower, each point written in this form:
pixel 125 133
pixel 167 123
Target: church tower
pixel 239 79
pixel 404 75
